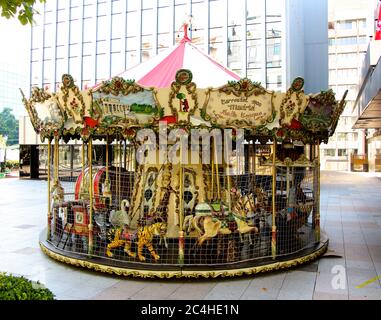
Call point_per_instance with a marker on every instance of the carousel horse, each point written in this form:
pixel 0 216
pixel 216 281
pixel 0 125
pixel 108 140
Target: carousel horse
pixel 240 216
pixel 210 228
pixel 57 192
pixel 144 237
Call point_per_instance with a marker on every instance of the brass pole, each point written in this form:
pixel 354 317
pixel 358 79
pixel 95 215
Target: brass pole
pixel 49 196
pixel 120 170
pixel 317 214
pixel 217 171
pixel 229 189
pixel 181 213
pixel 273 229
pixel 56 161
pixel 107 187
pixel 212 189
pixel 117 171
pixel 125 155
pixel 130 166
pixel 90 162
pixel 82 187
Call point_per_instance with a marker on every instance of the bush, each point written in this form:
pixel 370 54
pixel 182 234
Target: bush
pixel 20 288
pixel 12 164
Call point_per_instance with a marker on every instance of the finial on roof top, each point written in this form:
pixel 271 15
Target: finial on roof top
pixel 186 24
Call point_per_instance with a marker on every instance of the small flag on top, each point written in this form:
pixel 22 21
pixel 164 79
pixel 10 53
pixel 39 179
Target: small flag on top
pixel 378 25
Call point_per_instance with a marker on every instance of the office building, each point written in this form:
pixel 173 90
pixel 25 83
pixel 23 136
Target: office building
pixel 348 40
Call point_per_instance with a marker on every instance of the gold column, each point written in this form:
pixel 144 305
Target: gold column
pixel 181 213
pixel 49 196
pixel 90 162
pixel 217 171
pixel 107 188
pixel 82 187
pixel 56 161
pixel 317 213
pixel 120 170
pixel 273 229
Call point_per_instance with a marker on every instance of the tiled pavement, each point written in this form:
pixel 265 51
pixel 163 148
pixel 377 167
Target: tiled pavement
pixel 350 215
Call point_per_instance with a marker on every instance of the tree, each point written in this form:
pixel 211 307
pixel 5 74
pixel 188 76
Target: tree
pixel 23 9
pixel 9 126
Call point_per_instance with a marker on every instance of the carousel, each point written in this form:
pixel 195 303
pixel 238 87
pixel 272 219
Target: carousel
pixel 217 179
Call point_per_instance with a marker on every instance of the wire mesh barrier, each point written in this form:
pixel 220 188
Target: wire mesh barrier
pixel 184 215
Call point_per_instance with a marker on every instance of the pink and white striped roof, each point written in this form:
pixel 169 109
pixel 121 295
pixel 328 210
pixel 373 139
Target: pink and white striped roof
pixel 160 71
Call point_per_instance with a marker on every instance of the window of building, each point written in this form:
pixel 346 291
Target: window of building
pixel 102 67
pixel 341 136
pixel 117 63
pixel 217 11
pixel 254 31
pixel 345 24
pixel 75 31
pixel 75 13
pixel 363 40
pixel 116 45
pixel 89 11
pixel 117 6
pixel 235 9
pixel 131 58
pixel 87 67
pixel 254 74
pixel 254 53
pixel 104 28
pixel 147 22
pixel 329 152
pixel 342 152
pixel 273 52
pixel 353 151
pixel 103 8
pixel 362 23
pixel 343 41
pixel 117 31
pixel 133 28
pixel 164 20
pixel 163 3
pixel 61 15
pixel 164 41
pixel 255 9
pixel 88 24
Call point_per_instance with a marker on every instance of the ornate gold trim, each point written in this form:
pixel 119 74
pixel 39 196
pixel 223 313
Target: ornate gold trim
pixel 185 273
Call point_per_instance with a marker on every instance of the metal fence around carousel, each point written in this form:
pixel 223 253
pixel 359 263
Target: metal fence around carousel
pixel 275 215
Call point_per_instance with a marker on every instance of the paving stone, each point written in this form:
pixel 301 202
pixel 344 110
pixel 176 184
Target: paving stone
pixel 265 287
pixel 228 290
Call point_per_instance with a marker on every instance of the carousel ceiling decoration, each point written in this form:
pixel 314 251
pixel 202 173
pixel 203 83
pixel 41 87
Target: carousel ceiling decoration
pixel 119 106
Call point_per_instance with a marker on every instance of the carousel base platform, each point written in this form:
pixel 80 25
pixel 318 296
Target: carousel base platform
pixel 154 270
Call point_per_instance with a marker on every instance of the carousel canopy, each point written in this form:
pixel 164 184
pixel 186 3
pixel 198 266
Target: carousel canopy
pixel 160 71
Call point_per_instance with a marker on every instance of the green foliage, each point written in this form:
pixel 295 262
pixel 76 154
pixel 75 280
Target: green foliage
pixel 9 126
pixel 143 108
pixel 20 288
pixel 12 164
pixel 22 9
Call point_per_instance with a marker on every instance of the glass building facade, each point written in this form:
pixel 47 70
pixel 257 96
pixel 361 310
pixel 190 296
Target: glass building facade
pixel 94 40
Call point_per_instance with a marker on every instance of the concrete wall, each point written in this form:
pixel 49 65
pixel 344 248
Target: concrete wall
pixel 307 45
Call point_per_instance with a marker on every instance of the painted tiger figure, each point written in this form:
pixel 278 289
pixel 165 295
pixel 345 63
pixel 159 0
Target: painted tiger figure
pixel 144 236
